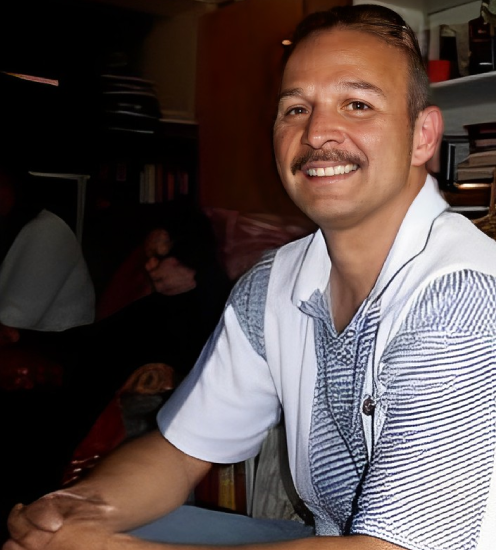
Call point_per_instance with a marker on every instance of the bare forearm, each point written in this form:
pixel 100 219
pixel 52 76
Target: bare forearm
pixel 141 481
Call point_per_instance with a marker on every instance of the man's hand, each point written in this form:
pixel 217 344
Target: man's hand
pixel 170 277
pixel 34 526
pixel 138 482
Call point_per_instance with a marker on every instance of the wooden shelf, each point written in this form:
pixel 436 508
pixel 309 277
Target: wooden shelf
pixel 455 93
pixel 434 6
pixel 466 100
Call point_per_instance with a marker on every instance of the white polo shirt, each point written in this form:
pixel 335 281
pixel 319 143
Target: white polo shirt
pixel 416 468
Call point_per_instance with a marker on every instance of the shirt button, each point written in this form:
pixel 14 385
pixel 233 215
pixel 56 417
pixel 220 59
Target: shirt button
pixel 368 406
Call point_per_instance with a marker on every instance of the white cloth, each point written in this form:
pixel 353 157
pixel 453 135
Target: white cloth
pixel 420 471
pixel 44 280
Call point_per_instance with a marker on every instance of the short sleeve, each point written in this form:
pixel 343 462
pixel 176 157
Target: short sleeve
pixel 223 410
pixel 429 480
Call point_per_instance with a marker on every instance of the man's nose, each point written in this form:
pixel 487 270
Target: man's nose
pixel 151 263
pixel 324 126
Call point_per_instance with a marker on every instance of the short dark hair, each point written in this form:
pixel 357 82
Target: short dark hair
pixel 386 25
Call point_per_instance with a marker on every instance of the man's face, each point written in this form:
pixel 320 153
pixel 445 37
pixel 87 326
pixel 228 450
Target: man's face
pixel 167 274
pixel 158 244
pixel 342 138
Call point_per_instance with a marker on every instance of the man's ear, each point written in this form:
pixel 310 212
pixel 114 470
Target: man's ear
pixel 428 133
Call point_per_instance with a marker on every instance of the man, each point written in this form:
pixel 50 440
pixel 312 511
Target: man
pixel 375 335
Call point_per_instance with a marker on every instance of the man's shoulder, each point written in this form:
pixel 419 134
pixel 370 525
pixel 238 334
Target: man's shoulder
pixel 444 273
pixel 251 293
pixel 457 240
pixel 459 260
pixel 283 259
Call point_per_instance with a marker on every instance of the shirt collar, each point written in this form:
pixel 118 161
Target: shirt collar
pixel 410 241
pixel 413 234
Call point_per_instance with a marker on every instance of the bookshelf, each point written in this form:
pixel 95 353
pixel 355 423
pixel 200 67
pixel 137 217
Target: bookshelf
pixel 141 157
pixel 148 169
pixel 466 100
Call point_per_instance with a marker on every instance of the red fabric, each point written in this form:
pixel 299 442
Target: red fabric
pixel 24 369
pixel 105 435
pixel 109 430
pixel 129 283
pixel 244 237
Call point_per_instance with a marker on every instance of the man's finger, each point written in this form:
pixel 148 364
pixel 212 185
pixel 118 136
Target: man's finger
pixel 26 535
pixel 42 515
pixel 12 545
pixel 45 515
pixel 17 522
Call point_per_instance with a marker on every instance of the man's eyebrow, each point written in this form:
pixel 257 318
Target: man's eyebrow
pixel 345 85
pixel 292 92
pixel 361 85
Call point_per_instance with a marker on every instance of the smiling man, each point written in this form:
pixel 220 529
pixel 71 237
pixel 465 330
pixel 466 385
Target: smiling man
pixel 348 153
pixel 375 335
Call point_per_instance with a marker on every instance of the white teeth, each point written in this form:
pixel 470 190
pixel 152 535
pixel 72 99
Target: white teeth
pixel 332 171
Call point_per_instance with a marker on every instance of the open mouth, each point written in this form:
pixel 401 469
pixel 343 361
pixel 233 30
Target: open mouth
pixel 332 170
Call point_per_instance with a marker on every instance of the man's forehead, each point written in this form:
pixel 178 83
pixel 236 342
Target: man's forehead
pixel 326 40
pixel 344 48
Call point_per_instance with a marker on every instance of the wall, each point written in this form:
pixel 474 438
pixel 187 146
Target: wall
pixel 169 58
pixel 238 73
pixel 412 12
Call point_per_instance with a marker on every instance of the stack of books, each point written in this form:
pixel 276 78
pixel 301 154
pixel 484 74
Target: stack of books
pixel 479 165
pixel 476 172
pixel 477 168
pixel 130 104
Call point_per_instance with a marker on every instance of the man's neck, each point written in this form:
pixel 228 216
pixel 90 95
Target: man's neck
pixel 356 264
pixel 357 256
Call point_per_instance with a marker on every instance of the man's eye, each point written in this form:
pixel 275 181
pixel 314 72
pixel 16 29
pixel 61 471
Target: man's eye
pixel 357 106
pixel 160 257
pixel 296 111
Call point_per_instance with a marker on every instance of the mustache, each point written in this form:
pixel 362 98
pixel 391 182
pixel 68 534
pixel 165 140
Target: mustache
pixel 333 155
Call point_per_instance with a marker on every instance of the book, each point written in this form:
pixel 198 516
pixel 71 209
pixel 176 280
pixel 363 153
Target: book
pixel 481 136
pixel 479 158
pixel 159 183
pixel 170 185
pixel 475 174
pixel 485 143
pixel 480 129
pixel 149 179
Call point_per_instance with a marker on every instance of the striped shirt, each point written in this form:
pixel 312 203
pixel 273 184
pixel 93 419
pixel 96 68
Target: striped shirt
pixel 419 471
